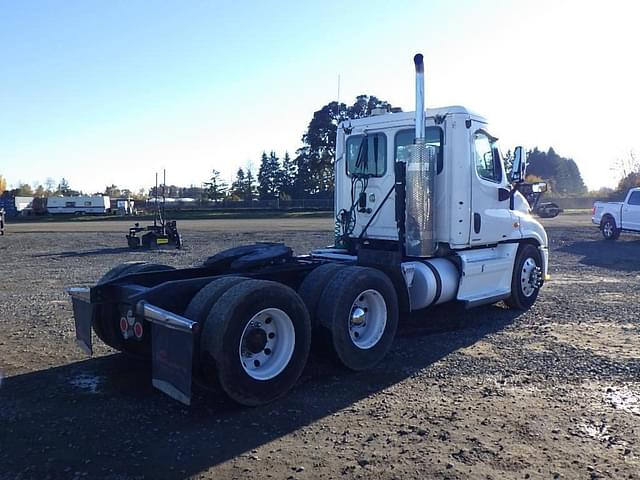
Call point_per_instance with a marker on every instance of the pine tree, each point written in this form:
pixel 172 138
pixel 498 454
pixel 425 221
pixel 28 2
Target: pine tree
pixel 269 177
pixel 215 188
pixel 239 184
pixel 249 186
pixel 288 176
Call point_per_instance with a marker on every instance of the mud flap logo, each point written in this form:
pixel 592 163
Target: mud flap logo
pixel 172 354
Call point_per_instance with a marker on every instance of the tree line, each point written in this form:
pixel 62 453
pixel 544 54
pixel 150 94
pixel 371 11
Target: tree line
pixel 561 174
pixel 50 188
pixel 309 173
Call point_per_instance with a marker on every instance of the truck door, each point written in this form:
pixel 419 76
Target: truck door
pixel 491 218
pixel 631 212
pixel 371 179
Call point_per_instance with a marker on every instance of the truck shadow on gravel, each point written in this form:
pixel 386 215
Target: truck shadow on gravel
pixel 622 255
pixel 101 417
pixel 87 253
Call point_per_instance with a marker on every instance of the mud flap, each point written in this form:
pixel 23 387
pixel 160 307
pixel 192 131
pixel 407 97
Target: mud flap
pixel 83 315
pixel 171 362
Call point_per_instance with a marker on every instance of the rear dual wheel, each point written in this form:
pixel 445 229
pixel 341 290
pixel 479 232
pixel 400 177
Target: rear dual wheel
pixel 357 315
pixel 257 334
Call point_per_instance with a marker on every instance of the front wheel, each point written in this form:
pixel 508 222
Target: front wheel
pixel 609 229
pixel 527 278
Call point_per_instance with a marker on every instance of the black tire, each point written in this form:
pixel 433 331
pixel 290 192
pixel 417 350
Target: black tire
pixel 118 271
pixel 609 229
pixel 106 323
pixel 312 286
pixel 224 334
pixel 337 301
pixel 104 311
pixel 524 291
pixel 201 303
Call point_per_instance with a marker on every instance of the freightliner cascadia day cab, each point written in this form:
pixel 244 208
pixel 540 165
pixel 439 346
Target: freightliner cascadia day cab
pixel 425 214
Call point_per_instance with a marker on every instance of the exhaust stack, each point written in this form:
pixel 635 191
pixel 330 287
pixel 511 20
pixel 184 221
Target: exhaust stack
pixel 417 60
pixel 420 180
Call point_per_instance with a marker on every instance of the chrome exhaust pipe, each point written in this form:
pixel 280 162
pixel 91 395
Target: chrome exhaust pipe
pixel 418 61
pixel 419 181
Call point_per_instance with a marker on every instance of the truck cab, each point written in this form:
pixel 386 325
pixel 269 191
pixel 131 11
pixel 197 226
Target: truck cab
pixel 470 203
pixel 475 218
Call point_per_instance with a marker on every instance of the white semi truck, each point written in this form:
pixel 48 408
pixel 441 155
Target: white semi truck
pixel 425 214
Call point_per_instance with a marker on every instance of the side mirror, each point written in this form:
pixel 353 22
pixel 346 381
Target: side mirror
pixel 539 187
pixel 519 165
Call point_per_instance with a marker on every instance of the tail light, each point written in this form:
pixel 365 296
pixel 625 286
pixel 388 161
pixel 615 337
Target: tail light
pixel 137 330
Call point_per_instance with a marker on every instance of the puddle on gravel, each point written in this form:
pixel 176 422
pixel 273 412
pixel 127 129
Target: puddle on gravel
pixel 599 431
pixel 623 398
pixel 87 383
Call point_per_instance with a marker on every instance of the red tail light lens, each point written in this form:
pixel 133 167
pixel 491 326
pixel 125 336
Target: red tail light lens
pixel 137 329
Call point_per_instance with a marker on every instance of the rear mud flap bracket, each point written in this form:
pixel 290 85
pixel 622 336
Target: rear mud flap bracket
pixel 172 338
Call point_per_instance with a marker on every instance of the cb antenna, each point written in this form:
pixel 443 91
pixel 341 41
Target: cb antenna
pixel 164 185
pixel 155 217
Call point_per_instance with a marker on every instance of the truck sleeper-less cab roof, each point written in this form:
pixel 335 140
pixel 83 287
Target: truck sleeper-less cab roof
pixel 408 118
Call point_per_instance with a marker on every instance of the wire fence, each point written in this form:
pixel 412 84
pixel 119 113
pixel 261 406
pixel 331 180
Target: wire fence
pixel 275 204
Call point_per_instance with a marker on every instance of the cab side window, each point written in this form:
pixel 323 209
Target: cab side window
pixel 487 158
pixel 634 198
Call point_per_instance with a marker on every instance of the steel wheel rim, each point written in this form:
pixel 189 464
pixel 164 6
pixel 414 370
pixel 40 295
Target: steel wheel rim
pixel 367 319
pixel 529 277
pixel 267 344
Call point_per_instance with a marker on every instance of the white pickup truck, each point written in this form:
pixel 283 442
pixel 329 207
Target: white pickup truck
pixel 616 217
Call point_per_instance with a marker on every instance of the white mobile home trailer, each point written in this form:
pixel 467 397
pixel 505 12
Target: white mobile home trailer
pixel 93 205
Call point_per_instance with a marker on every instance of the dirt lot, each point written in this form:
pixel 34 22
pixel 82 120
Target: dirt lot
pixel 488 393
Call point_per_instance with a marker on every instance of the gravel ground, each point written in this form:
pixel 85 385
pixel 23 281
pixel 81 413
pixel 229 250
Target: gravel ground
pixel 486 393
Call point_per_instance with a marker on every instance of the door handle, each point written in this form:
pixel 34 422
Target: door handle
pixel 477 222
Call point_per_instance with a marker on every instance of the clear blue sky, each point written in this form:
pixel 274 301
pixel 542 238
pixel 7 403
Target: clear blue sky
pixel 103 92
